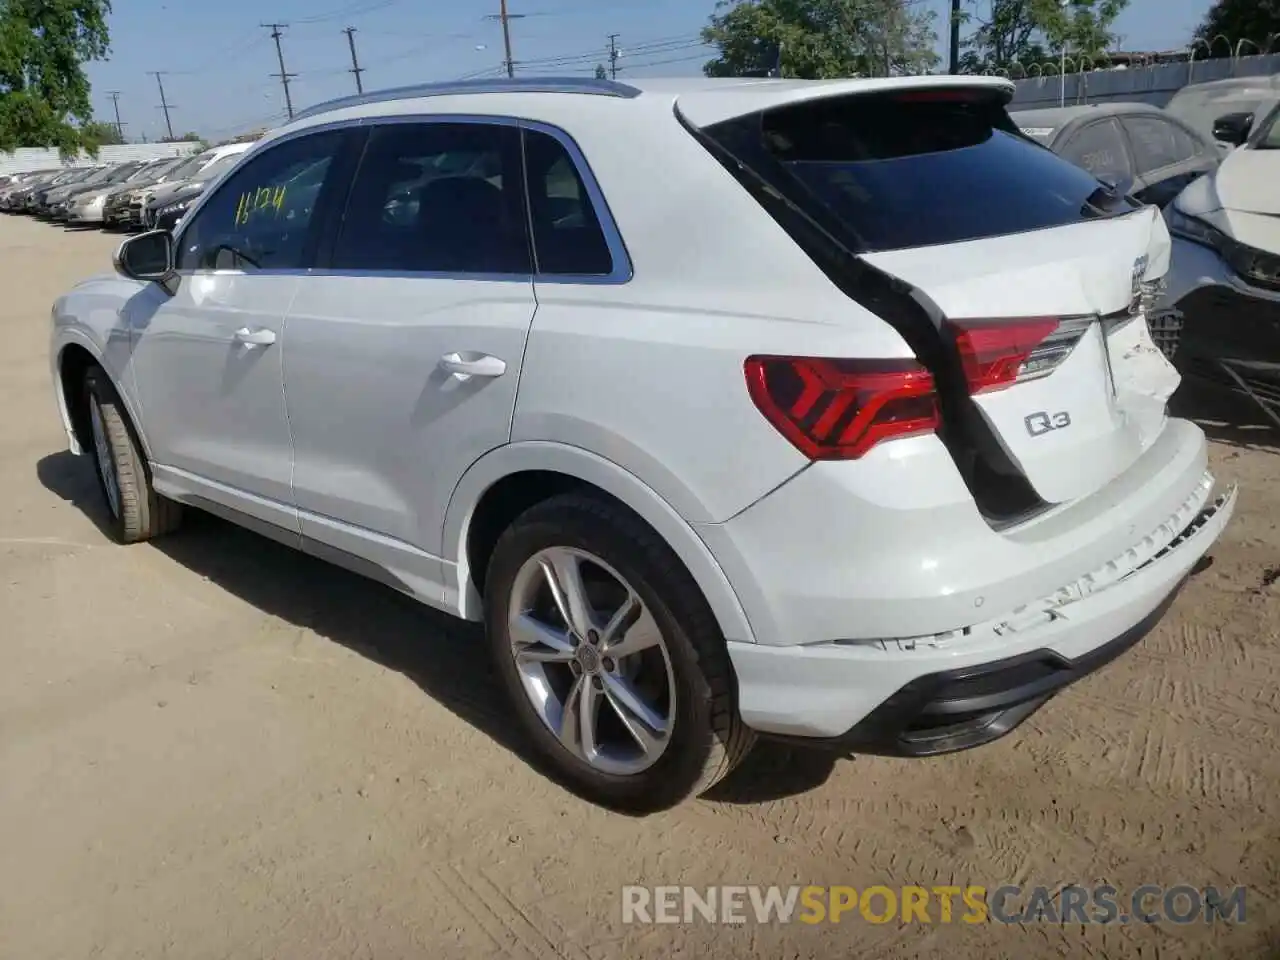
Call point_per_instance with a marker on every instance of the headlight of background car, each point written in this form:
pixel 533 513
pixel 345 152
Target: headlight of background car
pixel 1191 228
pixel 1254 265
pixel 177 208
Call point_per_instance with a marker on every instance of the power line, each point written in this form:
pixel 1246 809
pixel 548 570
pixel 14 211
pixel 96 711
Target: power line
pixel 284 75
pixel 613 55
pixel 591 56
pixel 659 63
pixel 353 10
pixel 115 102
pixel 164 104
pixel 246 44
pixel 356 69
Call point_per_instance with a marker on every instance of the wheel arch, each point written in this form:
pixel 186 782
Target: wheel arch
pixel 506 481
pixel 73 355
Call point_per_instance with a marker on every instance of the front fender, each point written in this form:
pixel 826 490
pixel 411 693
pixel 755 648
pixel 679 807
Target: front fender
pixel 92 318
pixel 614 480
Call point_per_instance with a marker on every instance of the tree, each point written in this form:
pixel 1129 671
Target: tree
pixel 1257 21
pixel 1034 31
pixel 100 134
pixel 185 138
pixel 44 94
pixel 601 72
pixel 820 39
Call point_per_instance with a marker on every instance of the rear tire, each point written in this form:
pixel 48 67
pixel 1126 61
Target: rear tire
pixel 622 564
pixel 136 512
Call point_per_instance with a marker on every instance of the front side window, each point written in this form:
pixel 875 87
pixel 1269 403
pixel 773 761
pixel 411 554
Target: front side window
pixel 567 238
pixel 1268 136
pixel 260 217
pixel 437 198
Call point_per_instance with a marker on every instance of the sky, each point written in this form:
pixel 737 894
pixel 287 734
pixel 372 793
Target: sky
pixel 216 59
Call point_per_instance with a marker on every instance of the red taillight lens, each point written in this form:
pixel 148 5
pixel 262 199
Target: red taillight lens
pixel 995 353
pixel 840 409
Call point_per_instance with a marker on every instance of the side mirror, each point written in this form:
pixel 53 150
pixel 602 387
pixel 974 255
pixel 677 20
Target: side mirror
pixel 148 256
pixel 1233 128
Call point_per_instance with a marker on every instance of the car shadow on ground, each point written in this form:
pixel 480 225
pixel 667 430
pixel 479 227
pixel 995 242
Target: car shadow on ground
pixel 445 657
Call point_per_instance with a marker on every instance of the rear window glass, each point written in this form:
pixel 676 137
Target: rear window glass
pixel 916 168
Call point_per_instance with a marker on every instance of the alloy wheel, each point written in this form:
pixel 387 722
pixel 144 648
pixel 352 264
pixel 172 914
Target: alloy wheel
pixel 592 660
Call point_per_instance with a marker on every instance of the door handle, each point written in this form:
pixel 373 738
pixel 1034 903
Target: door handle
pixel 481 365
pixel 255 338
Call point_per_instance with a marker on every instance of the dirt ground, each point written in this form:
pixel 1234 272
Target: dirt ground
pixel 214 747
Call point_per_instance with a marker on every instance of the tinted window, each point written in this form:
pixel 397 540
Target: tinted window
pixel 1158 143
pixel 1268 135
pixel 567 238
pixel 259 218
pixel 437 197
pixel 1099 148
pixel 914 168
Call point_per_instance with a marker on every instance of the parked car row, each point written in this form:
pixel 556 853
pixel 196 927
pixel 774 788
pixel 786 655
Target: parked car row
pixel 133 195
pixel 1219 319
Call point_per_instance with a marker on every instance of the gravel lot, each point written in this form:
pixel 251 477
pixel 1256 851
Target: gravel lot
pixel 214 747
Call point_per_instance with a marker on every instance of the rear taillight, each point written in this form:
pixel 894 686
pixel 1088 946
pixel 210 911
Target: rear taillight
pixel 999 353
pixel 840 409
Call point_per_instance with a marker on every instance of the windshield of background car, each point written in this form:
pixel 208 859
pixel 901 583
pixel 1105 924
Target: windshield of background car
pixel 165 168
pixel 98 176
pixel 1199 110
pixel 189 167
pixel 148 171
pixel 219 167
pixel 916 168
pixel 121 174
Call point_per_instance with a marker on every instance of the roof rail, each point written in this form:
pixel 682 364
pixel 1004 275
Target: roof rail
pixel 599 88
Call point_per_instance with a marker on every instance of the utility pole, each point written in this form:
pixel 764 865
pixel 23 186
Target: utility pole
pixel 115 102
pixel 355 63
pixel 284 75
pixel 164 104
pixel 613 56
pixel 955 36
pixel 506 19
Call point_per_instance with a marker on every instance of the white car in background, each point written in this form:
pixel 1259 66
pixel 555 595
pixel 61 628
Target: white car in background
pixel 1225 276
pixel 824 411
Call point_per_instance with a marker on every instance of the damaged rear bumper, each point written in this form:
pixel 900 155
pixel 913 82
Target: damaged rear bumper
pixel 949 692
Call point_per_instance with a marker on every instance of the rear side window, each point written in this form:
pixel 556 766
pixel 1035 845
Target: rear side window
pixel 914 168
pixel 437 198
pixel 567 237
pixel 1158 143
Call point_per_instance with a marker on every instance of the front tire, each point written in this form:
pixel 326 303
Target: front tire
pixel 136 511
pixel 616 665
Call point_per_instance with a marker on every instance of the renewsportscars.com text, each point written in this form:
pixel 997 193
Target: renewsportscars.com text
pixel 1149 903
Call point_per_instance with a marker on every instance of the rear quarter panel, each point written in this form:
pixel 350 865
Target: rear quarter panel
pixel 649 373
